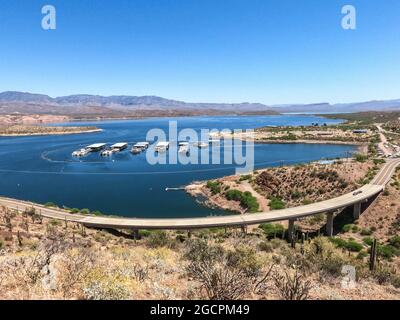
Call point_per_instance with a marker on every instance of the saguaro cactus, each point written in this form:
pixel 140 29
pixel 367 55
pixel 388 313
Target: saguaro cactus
pixel 372 257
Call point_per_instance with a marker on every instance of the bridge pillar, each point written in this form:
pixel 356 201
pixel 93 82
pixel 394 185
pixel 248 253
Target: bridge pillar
pixel 357 210
pixel 291 229
pixel 329 224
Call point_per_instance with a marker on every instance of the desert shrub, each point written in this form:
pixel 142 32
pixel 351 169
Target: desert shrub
pixel 395 281
pixel 97 213
pixel 350 245
pixel 361 255
pixel 160 238
pixel 247 200
pixel 366 232
pixel 387 251
pixel 265 246
pixel 233 194
pixel 353 246
pixel 250 202
pixel 395 242
pixel 278 243
pixel 1 243
pixel 296 194
pixel 76 265
pixel 272 229
pixel 317 218
pixel 144 233
pixel 54 222
pixel 360 157
pixel 350 228
pixel 50 204
pixel 291 284
pixel 307 201
pixel 85 211
pixel 214 186
pixel 382 275
pixel 245 177
pixel 378 161
pixel 224 274
pixel 74 210
pixel 276 203
pixel 368 241
pixel 106 289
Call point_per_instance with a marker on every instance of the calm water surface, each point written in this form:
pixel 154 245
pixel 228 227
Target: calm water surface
pixel 41 169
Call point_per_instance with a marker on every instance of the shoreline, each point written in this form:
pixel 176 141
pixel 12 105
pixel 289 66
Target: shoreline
pixel 49 133
pixel 361 146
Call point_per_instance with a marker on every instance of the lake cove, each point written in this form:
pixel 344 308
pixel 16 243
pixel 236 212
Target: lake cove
pixel 42 169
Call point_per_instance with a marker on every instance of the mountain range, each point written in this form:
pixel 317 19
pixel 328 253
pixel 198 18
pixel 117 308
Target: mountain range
pixel 24 102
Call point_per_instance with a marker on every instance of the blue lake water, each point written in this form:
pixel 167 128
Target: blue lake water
pixel 41 169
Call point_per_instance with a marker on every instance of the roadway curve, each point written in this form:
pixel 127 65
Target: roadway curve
pixel 368 191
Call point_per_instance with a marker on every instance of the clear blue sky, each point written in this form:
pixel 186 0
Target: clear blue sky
pixel 269 51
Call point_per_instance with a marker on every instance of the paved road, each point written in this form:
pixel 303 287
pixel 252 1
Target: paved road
pixel 366 192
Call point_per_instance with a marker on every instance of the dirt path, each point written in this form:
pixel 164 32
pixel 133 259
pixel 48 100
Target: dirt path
pixel 384 142
pixel 264 202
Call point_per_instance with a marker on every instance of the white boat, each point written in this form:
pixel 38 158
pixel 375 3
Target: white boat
pixel 107 153
pixel 183 147
pixel 80 153
pixel 136 150
pixel 214 141
pixel 162 146
pixel 201 144
pixel 139 147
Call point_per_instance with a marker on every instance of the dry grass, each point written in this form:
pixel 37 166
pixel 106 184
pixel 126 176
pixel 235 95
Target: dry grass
pixel 44 259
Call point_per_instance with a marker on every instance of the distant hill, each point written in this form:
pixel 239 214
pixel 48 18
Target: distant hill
pixel 41 102
pixel 84 104
pixel 385 105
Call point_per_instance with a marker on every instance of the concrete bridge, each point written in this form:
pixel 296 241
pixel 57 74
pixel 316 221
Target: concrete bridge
pixel 328 207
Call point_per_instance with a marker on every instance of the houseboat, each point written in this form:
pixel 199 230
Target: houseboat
pixel 162 146
pixel 91 148
pixel 183 147
pixel 201 144
pixel 139 147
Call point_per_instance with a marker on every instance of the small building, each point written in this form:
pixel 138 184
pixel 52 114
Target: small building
pixel 360 131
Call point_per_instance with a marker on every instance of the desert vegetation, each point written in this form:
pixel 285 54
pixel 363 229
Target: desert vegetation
pixel 305 184
pixel 289 186
pixel 41 259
